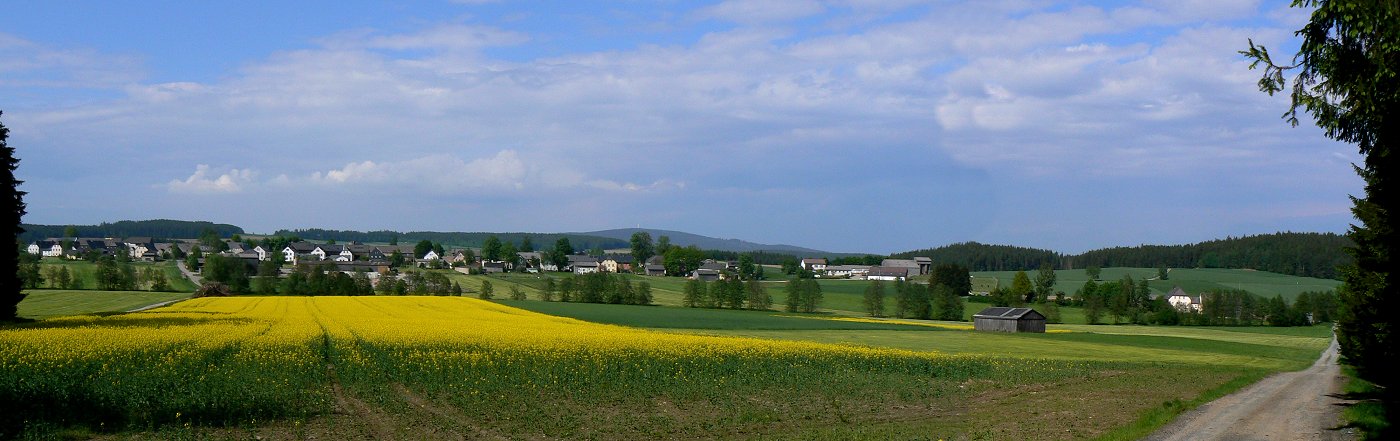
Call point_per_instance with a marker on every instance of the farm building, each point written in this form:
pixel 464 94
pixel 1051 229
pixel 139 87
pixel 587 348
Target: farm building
pixel 1003 319
pixel 886 273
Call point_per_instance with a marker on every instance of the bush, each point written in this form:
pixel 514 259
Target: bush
pixel 212 289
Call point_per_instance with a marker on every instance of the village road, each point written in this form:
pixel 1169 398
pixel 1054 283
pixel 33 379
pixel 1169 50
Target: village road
pixel 188 274
pixel 1286 406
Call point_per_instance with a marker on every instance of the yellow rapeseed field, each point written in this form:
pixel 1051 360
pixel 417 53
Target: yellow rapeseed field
pixel 232 360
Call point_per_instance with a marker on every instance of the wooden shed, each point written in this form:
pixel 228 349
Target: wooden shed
pixel 1003 319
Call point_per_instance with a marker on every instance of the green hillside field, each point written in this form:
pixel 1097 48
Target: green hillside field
pixel 1192 280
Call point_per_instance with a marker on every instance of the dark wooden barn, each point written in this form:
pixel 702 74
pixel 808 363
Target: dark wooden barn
pixel 1003 319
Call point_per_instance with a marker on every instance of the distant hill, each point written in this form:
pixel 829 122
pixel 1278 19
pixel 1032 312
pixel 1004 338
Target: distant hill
pixel 156 228
pixel 710 243
pixel 1298 254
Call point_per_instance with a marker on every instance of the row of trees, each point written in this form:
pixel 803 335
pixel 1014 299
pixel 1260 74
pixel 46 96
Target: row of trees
pixel 915 300
pixel 454 238
pixel 593 288
pixel 729 293
pixel 112 273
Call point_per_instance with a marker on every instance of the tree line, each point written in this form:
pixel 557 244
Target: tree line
pixel 596 287
pixel 1299 254
pixel 464 239
pixel 940 299
pixel 733 293
pixel 156 228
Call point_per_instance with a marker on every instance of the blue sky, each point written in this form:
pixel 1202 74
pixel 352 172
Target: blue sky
pixel 845 125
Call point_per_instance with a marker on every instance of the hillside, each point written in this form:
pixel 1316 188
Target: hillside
pixel 709 243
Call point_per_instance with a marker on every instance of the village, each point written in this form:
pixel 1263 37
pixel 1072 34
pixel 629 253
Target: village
pixel 381 259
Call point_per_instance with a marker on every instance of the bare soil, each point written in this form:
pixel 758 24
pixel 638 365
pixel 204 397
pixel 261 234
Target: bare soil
pixel 1302 405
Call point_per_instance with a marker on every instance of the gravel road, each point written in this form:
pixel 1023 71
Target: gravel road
pixel 1286 406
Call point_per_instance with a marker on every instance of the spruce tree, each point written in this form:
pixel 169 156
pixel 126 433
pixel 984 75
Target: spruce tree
pixel 1346 69
pixel 10 293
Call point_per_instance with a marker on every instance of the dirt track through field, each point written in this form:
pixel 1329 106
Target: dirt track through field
pixel 1300 405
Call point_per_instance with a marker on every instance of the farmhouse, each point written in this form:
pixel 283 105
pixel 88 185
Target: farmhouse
pixel 616 263
pixel 655 269
pixel 46 248
pixel 886 273
pixel 813 264
pixel 1003 319
pixel 706 275
pixel 852 271
pixel 1182 301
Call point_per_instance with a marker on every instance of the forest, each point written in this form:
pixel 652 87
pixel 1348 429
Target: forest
pixel 156 228
pixel 1297 254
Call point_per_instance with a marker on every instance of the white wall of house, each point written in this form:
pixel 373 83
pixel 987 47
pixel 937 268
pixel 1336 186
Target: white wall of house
pixel 1183 303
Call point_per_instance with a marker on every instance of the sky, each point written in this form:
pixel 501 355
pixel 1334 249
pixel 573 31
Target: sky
pixel 841 125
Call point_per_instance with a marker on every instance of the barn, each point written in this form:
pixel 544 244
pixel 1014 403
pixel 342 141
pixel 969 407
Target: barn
pixel 1003 319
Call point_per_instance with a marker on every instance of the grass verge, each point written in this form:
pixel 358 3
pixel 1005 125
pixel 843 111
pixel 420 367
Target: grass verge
pixel 1368 413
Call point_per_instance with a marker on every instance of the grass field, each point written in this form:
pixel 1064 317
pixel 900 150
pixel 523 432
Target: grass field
pixel 46 303
pixel 88 272
pixel 1272 348
pixel 407 367
pixel 1192 280
pixel 845 297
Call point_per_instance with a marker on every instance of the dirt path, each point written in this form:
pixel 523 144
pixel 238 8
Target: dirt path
pixel 1286 406
pixel 157 305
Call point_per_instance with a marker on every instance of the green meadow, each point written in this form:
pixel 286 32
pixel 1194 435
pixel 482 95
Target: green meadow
pixel 46 303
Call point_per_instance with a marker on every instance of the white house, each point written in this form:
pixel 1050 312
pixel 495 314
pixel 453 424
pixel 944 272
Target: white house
pixel 294 249
pixel 430 256
pixel 46 248
pixel 814 264
pixel 262 252
pixel 328 251
pixel 1182 301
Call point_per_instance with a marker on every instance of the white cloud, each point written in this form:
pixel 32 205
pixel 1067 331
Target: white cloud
pixel 445 173
pixel 204 182
pixel 25 63
pixel 759 11
pixel 448 37
pixel 448 174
